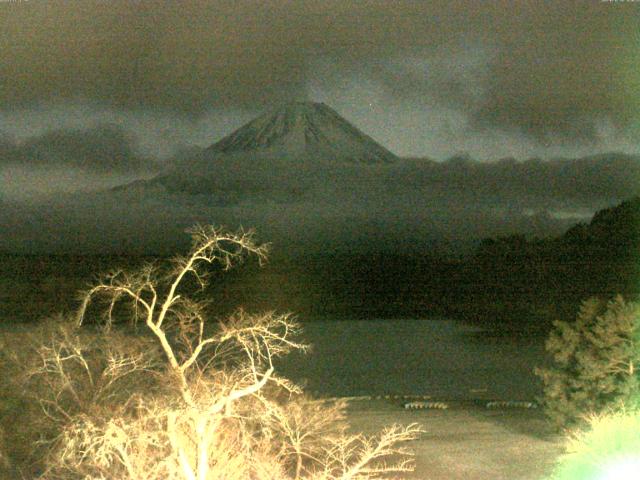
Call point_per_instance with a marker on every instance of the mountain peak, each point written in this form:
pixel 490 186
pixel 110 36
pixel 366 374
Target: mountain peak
pixel 304 128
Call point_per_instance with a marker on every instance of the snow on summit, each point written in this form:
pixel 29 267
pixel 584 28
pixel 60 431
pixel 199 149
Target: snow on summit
pixel 304 129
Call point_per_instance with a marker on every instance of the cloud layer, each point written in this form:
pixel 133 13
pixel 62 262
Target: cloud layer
pixel 70 160
pixel 103 149
pixel 398 207
pixel 552 70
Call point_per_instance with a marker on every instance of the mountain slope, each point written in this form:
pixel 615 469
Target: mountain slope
pixel 304 128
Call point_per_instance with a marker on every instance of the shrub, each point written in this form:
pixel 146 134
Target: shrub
pixel 609 448
pixel 596 360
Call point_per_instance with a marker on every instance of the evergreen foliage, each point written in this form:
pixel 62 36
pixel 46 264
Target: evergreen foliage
pixel 596 361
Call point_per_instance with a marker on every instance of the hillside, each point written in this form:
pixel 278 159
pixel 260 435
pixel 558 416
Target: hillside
pixel 545 279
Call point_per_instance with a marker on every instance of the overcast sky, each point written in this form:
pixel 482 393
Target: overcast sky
pixel 424 78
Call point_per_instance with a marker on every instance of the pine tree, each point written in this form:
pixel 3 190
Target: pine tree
pixel 596 361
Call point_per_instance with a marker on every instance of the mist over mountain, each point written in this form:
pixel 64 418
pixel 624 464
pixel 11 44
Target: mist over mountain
pixel 307 179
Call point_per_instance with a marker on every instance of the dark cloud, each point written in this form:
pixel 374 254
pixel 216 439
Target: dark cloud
pixel 546 69
pixel 560 74
pixel 106 149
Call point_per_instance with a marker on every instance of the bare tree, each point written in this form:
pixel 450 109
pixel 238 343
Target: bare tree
pixel 212 405
pixel 357 457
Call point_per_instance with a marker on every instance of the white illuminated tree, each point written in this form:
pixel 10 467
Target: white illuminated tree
pixel 191 400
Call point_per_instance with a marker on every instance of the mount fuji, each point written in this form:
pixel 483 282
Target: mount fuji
pixel 281 155
pixel 304 129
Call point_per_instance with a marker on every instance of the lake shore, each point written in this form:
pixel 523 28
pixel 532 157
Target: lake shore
pixel 465 442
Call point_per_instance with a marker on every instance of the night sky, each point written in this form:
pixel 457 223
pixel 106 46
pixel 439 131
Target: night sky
pixel 424 78
pixel 96 94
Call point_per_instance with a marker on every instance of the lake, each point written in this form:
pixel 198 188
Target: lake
pixel 438 357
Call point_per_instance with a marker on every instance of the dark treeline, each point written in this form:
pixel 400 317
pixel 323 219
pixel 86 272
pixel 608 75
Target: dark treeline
pixel 507 282
pixel 37 286
pixel 515 279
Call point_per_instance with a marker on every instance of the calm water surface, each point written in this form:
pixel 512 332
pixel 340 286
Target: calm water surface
pixel 442 358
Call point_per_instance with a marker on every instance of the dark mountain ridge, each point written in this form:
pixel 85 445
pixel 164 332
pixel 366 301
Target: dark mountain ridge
pixel 307 180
